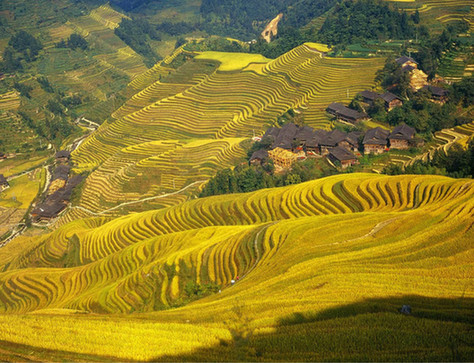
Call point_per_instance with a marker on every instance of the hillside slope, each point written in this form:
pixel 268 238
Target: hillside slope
pixel 302 253
pixel 200 102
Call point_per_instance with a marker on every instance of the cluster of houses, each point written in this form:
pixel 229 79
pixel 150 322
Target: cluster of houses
pixel 59 190
pixel 291 143
pixel 3 183
pixel 418 81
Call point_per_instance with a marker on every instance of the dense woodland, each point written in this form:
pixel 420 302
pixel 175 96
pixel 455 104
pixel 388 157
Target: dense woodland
pixel 22 47
pixel 136 33
pixel 358 21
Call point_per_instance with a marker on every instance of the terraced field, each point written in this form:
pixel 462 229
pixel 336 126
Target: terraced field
pixel 316 257
pixel 201 102
pixel 445 139
pixel 15 201
pixel 9 101
pixel 157 167
pixel 437 11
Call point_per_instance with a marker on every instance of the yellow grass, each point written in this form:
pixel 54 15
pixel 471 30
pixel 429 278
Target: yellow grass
pixel 22 191
pixel 319 46
pixel 232 61
pixel 14 166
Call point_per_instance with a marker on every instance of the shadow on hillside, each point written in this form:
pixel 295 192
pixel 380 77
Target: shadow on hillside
pixel 369 330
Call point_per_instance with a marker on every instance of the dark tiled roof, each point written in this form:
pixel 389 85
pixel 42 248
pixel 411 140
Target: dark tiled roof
pixel 408 68
pixel 63 154
pixel 342 154
pixel 404 59
pixel 333 137
pixel 49 209
pixel 316 138
pixel 370 95
pixel 376 136
pixel 304 133
pixel 285 136
pixel 436 91
pixel 389 97
pixel 402 132
pixel 272 132
pixel 56 202
pixel 353 137
pixel 259 154
pixel 341 110
pixel 3 180
pixel 61 172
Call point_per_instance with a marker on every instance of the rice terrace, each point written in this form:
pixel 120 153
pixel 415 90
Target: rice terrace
pixel 181 182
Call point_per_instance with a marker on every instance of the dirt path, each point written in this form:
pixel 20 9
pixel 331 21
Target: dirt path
pixel 255 247
pixel 138 201
pixel 373 231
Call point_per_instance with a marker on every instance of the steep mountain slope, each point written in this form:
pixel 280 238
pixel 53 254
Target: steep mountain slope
pixel 345 250
pixel 190 104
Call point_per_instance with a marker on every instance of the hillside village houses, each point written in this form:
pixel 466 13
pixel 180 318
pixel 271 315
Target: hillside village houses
pixel 390 100
pixel 59 191
pixel 3 183
pixel 402 137
pixel 292 143
pixel 375 141
pixel 345 113
pixel 418 78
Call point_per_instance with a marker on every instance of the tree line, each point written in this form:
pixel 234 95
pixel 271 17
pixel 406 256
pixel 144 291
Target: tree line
pixel 22 47
pixel 137 33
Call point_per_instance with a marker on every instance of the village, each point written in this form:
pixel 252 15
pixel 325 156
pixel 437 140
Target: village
pixel 291 143
pixel 58 194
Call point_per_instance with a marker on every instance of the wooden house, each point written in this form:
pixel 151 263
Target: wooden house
pixel 401 136
pixel 63 156
pixel 375 141
pixel 345 113
pixel 391 100
pixel 331 140
pixel 258 157
pixel 3 183
pixel 282 157
pixel 407 62
pixel 344 157
pixel 351 142
pixel 437 94
pixel 285 137
pixel 369 97
pixel 313 145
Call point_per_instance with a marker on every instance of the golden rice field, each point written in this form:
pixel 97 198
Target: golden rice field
pixel 9 101
pixel 157 167
pixel 436 11
pixel 15 201
pixel 323 267
pixel 200 104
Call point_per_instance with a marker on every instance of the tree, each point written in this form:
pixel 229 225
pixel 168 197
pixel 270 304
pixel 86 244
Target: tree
pixel 26 44
pixel 77 41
